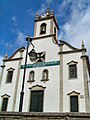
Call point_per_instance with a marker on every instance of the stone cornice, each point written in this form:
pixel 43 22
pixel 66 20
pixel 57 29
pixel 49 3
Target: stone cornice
pixel 2 66
pixel 20 49
pixel 40 37
pixel 44 115
pixel 14 59
pixel 46 36
pixel 73 51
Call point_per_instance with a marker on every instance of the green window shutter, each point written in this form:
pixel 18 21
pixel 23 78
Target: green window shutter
pixel 36 103
pixel 4 104
pixel 74 103
pixel 40 102
pixel 33 103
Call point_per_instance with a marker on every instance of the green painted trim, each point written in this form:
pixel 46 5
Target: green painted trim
pixel 41 64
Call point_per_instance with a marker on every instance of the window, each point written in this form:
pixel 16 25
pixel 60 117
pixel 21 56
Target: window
pixel 31 76
pixel 36 102
pixel 9 76
pixel 73 103
pixel 73 71
pixel 4 104
pixel 43 28
pixel 55 31
pixel 45 74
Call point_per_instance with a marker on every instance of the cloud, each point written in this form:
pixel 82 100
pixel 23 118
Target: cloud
pixel 8 45
pixel 77 22
pixel 20 40
pixel 31 12
pixel 49 1
pixel 1 58
pixel 44 6
pixel 20 36
pixel 14 19
pixel 42 9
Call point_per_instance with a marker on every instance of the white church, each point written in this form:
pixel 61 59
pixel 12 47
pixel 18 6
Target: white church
pixel 54 79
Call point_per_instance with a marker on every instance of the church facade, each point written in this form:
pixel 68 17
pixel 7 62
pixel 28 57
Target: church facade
pixel 56 81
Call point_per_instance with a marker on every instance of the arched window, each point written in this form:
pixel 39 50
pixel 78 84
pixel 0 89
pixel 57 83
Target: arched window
pixel 31 76
pixel 45 74
pixel 43 28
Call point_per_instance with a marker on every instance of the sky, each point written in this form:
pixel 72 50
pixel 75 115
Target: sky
pixel 17 21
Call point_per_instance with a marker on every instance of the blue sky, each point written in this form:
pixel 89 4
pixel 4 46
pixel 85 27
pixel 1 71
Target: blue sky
pixel 17 20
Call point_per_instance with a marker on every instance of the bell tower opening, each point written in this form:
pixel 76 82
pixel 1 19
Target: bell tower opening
pixel 43 28
pixel 46 25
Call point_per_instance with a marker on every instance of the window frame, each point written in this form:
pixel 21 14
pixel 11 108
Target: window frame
pixel 45 75
pixel 36 88
pixel 73 93
pixel 5 96
pixel 8 75
pixel 38 95
pixel 31 77
pixel 41 27
pixel 72 63
pixel 74 68
pixel 71 110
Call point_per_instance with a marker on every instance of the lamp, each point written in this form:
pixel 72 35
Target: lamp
pixel 33 56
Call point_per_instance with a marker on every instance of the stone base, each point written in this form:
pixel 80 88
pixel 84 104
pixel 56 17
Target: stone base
pixel 43 116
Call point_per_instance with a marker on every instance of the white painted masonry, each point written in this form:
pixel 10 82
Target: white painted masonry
pixel 58 87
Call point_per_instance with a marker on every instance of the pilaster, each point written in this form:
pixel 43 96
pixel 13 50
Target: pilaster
pixel 35 29
pixel 1 75
pixel 61 78
pixel 17 81
pixel 85 76
pixel 51 27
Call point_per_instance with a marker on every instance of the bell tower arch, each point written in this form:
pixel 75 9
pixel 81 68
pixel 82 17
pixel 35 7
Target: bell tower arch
pixel 46 25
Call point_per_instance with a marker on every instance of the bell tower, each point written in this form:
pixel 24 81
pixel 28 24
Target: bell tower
pixel 46 25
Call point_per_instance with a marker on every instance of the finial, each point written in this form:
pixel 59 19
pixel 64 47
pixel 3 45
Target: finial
pixel 6 56
pixel 52 12
pixel 48 9
pixel 47 12
pixel 37 16
pixel 83 44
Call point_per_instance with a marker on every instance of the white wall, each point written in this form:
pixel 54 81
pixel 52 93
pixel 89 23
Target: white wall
pixel 77 84
pixel 51 92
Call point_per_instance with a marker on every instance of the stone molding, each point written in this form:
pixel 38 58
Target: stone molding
pixel 43 116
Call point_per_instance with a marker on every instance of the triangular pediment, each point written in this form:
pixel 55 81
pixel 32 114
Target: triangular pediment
pixel 5 95
pixel 72 62
pixel 73 93
pixel 37 87
pixel 10 69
